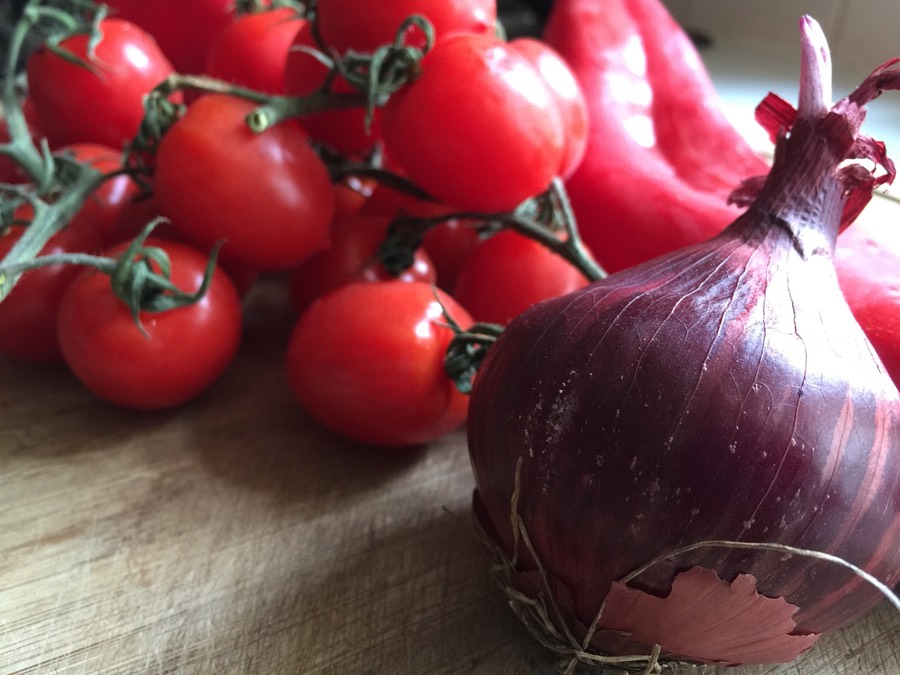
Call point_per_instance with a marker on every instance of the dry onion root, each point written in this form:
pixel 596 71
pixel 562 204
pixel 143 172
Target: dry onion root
pixel 546 620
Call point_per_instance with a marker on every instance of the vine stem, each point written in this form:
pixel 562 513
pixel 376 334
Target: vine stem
pixel 98 262
pixel 37 163
pixel 570 247
pixel 273 109
pixel 47 221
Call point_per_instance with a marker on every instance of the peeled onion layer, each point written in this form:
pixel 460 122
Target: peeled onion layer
pixel 720 392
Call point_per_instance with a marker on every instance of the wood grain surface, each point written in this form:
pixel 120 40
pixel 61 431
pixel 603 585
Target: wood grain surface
pixel 236 536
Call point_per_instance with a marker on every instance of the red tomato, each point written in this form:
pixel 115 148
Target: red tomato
pixel 367 361
pixel 186 349
pixel 28 315
pixel 449 245
pixel 268 195
pixel 484 152
pixel 352 256
pixel 103 104
pixel 107 208
pixel 184 29
pixel 342 129
pixel 253 50
pixel 569 98
pixel 365 26
pixel 507 273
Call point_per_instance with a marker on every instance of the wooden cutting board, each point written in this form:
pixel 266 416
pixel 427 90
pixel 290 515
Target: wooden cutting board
pixel 235 536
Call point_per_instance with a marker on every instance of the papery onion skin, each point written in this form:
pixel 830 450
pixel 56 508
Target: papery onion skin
pixel 720 392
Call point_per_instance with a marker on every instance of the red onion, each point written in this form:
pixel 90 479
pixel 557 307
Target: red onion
pixel 720 393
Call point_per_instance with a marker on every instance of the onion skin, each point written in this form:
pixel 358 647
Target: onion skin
pixel 720 392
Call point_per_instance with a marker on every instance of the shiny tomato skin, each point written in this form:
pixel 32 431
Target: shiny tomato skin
pixel 366 361
pixel 342 129
pixel 186 349
pixel 352 256
pixel 103 104
pixel 568 95
pixel 365 26
pixel 484 152
pixel 184 29
pixel 350 195
pixel 28 316
pixel 252 51
pixel 507 273
pixel 268 195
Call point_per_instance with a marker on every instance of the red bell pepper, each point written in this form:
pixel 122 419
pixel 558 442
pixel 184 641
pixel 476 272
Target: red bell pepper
pixel 662 159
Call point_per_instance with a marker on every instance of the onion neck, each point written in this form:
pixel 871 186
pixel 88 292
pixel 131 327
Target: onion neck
pixel 802 195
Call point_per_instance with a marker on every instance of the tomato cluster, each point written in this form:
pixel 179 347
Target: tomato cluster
pixel 479 125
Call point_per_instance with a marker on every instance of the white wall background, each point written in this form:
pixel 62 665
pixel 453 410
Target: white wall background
pixel 755 49
pixel 861 33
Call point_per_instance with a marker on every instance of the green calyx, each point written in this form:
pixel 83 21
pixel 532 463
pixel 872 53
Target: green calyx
pixel 467 350
pixel 141 278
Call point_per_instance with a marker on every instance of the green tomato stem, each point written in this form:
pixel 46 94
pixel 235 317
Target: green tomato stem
pixel 36 163
pixel 397 252
pixel 280 108
pixel 47 221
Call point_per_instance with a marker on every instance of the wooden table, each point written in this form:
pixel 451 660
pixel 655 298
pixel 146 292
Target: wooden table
pixel 236 536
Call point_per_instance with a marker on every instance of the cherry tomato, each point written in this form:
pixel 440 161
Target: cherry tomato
pixel 268 195
pixel 507 273
pixel 449 246
pixel 252 51
pixel 352 256
pixel 365 26
pixel 28 316
pixel 184 351
pixel 484 152
pixel 569 98
pixel 374 375
pixel 101 104
pixel 108 208
pixel 184 29
pixel 342 129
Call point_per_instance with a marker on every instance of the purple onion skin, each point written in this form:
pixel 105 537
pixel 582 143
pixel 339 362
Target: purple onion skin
pixel 721 392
